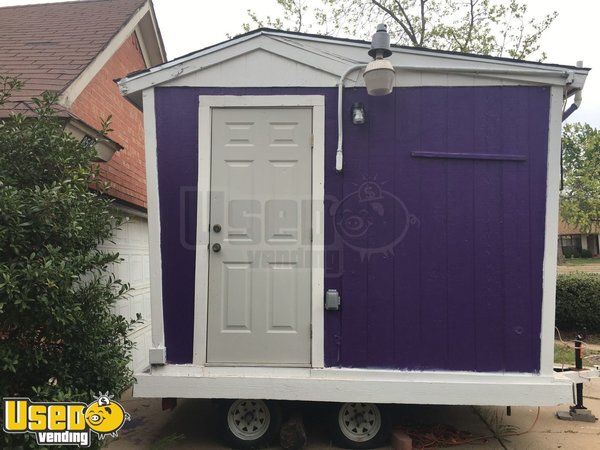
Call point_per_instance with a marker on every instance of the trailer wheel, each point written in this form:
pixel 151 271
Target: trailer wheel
pixel 359 425
pixel 248 424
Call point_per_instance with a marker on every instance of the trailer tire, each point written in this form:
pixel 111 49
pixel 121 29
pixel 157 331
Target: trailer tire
pixel 360 425
pixel 249 424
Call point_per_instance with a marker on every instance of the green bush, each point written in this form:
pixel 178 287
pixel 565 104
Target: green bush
pixel 578 302
pixel 570 252
pixel 585 253
pixel 59 337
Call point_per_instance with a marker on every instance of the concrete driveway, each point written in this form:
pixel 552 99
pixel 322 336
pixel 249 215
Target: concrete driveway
pixel 192 425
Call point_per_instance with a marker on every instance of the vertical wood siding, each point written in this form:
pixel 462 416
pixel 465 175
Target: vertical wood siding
pixel 449 275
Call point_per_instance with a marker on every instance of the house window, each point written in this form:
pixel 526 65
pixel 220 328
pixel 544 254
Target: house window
pixel 571 245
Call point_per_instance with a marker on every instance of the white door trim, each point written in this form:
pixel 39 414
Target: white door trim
pixel 206 103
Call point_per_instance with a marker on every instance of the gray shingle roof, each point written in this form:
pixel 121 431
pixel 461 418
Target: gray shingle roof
pixel 49 45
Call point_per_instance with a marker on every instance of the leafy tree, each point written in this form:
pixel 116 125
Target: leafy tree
pixel 59 338
pixel 489 27
pixel 580 197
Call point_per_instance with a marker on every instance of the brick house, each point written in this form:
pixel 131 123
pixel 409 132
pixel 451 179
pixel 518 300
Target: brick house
pixel 78 49
pixel 576 243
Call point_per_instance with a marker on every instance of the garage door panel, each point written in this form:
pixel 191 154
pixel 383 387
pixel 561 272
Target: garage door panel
pixel 131 242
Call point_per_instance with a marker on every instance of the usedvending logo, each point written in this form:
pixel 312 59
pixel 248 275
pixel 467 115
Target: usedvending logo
pixel 62 423
pixel 372 220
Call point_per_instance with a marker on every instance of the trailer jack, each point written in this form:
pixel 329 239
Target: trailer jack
pixel 578 412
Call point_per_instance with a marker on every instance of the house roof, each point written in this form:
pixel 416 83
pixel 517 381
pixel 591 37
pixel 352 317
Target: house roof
pixel 265 30
pixel 565 228
pixel 333 56
pixel 49 45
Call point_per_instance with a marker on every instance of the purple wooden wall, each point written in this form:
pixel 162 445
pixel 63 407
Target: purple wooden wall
pixel 438 257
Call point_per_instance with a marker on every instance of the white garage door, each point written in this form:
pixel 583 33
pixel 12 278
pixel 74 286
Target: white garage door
pixel 131 241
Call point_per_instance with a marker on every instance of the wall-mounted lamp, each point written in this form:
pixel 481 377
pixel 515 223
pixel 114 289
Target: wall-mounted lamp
pixel 380 74
pixel 358 114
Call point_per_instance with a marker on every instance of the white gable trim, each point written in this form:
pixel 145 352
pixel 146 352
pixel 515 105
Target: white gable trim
pixel 164 74
pixel 156 31
pixel 138 34
pixel 320 57
pixel 70 94
pixel 257 68
pixel 150 39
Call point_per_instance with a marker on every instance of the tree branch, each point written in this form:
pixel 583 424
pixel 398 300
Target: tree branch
pixel 408 22
pixel 410 35
pixel 469 36
pixel 423 21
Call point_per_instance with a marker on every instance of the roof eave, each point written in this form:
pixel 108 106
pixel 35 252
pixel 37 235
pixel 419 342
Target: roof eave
pixel 129 89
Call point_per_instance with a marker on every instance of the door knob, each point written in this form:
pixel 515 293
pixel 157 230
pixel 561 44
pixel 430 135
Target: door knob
pixel 217 228
pixel 216 248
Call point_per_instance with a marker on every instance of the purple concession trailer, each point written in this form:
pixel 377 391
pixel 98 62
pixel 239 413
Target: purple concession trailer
pixel 309 241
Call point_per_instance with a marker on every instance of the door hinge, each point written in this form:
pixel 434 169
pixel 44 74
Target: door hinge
pixel 312 141
pixel 310 327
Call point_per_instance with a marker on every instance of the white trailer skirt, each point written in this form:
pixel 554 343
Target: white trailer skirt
pixel 356 385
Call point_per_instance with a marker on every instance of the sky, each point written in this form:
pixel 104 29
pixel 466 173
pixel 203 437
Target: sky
pixel 188 25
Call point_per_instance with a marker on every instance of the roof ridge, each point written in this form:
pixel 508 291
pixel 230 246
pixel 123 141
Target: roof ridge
pixel 28 5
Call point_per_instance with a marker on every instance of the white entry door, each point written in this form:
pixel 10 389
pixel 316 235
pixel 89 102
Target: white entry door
pixel 259 285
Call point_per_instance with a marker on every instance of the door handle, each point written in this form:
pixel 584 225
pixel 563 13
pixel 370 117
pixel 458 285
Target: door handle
pixel 217 228
pixel 216 248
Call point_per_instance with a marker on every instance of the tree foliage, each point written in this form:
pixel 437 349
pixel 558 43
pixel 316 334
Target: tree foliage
pixel 488 27
pixel 580 197
pixel 59 338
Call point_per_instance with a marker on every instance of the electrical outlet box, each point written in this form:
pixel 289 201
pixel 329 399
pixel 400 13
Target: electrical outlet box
pixel 332 300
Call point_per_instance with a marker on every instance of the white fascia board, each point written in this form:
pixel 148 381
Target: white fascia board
pixel 200 62
pixel 439 62
pixel 148 32
pixel 159 41
pixel 140 38
pixel 319 57
pixel 71 93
